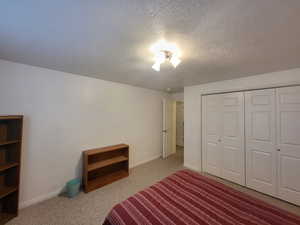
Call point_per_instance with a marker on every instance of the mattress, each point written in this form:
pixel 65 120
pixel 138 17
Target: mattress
pixel 187 197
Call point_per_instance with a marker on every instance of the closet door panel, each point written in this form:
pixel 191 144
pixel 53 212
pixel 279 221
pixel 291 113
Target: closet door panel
pixel 288 138
pixel 260 141
pixel 212 131
pixel 232 141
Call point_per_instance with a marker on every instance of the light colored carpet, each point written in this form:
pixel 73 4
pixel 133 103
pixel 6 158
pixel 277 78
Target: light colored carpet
pixel 91 209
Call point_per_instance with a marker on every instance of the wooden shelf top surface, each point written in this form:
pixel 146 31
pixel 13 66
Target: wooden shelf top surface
pixel 105 149
pixel 107 162
pixel 11 117
pixel 4 191
pixel 9 142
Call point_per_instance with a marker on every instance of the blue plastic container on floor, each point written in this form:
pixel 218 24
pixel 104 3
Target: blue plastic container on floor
pixel 73 187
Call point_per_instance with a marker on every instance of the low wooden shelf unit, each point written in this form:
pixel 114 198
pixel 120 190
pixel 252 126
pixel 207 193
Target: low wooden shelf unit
pixel 105 165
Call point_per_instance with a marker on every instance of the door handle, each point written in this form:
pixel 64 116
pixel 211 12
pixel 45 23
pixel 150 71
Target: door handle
pixel 278 150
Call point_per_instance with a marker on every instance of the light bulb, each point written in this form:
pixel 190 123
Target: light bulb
pixel 158 46
pixel 175 61
pixel 160 57
pixel 156 66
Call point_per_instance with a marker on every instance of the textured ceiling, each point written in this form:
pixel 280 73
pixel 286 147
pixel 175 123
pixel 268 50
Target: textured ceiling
pixel 110 40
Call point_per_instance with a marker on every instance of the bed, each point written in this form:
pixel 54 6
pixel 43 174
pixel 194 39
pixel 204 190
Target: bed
pixel 187 197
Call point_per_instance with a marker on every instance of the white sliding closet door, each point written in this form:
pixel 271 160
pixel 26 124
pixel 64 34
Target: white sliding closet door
pixel 232 140
pixel 261 156
pixel 212 123
pixel 223 136
pixel 288 139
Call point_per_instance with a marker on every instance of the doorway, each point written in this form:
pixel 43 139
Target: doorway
pixel 173 130
pixel 180 129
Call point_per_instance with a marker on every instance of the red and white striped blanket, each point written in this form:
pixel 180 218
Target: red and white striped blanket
pixel 189 198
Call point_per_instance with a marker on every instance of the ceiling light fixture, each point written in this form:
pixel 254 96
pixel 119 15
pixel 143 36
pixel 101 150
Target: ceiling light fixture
pixel 163 51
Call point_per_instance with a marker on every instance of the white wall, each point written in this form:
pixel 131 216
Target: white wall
pixel 192 106
pixel 65 114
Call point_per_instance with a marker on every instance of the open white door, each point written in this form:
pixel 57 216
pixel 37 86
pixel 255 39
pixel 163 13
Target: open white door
pixel 167 131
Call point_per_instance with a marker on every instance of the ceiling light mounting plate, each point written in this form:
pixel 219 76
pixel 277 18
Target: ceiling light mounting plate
pixel 168 54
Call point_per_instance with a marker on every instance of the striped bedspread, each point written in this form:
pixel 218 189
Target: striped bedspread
pixel 189 198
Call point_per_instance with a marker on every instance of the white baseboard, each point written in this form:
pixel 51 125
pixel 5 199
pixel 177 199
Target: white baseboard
pixel 191 167
pixel 145 161
pixel 42 198
pixel 39 199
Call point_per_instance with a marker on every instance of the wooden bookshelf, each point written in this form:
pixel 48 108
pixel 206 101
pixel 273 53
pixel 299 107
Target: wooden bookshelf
pixel 106 179
pixel 8 166
pixel 9 142
pixel 105 165
pixel 4 191
pixel 10 162
pixel 107 162
pixel 5 217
